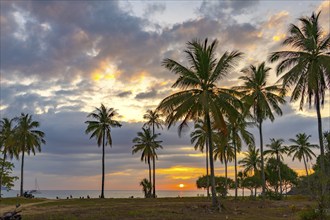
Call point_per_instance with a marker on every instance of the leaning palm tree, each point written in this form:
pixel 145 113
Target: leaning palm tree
pixel 6 143
pixel 154 119
pixel 200 96
pixel 263 100
pixel 277 150
pixel 251 162
pixel 100 128
pixel 302 149
pixel 238 134
pixel 306 67
pixel 199 137
pixel 146 143
pixel 28 139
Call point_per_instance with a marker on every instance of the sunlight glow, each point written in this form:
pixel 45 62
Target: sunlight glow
pixel 181 185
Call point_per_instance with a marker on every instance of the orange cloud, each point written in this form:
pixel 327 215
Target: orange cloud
pixel 105 71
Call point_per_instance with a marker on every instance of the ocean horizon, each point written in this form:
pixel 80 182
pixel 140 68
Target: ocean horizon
pixel 64 194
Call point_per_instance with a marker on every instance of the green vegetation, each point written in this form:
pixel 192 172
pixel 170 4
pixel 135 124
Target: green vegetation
pixel 164 208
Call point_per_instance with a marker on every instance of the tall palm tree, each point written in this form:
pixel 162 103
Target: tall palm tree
pixel 302 149
pixel 6 143
pixel 146 143
pixel 200 95
pixel 100 128
pixel 277 150
pixel 306 67
pixel 154 119
pixel 252 161
pixel 263 100
pixel 199 137
pixel 224 151
pixel 28 139
pixel 238 134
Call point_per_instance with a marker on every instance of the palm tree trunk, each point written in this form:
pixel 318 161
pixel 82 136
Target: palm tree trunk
pixel 262 160
pixel 154 177
pixel 207 170
pixel 149 176
pixel 215 201
pixel 102 190
pixel 226 174
pixel 309 187
pixel 279 173
pixel 22 169
pixel 2 169
pixel 154 168
pixel 319 123
pixel 235 159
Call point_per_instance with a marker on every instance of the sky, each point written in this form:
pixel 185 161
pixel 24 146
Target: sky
pixel 61 59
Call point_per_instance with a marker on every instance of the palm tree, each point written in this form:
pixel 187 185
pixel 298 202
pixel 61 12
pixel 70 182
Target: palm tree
pixel 277 150
pixel 241 177
pixel 326 136
pixel 238 134
pixel 200 97
pixel 146 187
pixel 251 161
pixel 302 149
pixel 262 99
pixel 28 139
pixel 153 120
pixel 306 67
pixel 199 135
pixel 6 143
pixel 147 143
pixel 224 151
pixel 100 128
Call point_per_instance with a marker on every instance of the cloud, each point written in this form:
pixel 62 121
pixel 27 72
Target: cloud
pixel 154 8
pixel 147 95
pixel 124 94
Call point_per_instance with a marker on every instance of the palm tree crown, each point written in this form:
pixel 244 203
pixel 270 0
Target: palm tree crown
pixel 301 149
pixel 252 160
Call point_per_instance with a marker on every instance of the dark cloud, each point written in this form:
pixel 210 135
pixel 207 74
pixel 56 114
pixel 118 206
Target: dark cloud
pixel 147 95
pixel 124 94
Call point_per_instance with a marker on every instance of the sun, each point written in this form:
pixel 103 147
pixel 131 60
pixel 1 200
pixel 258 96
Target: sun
pixel 181 185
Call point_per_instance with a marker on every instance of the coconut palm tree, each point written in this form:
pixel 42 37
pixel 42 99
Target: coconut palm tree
pixel 305 67
pixel 6 143
pixel 238 134
pixel 252 161
pixel 277 150
pixel 263 99
pixel 224 151
pixel 100 128
pixel 146 143
pixel 199 137
pixel 200 97
pixel 302 149
pixel 154 119
pixel 28 139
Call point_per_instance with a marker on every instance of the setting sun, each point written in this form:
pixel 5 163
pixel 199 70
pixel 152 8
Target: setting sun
pixel 181 185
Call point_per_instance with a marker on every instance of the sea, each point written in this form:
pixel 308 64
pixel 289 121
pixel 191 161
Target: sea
pixel 65 194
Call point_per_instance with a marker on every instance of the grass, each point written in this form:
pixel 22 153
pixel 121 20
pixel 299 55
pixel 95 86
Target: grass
pixel 160 208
